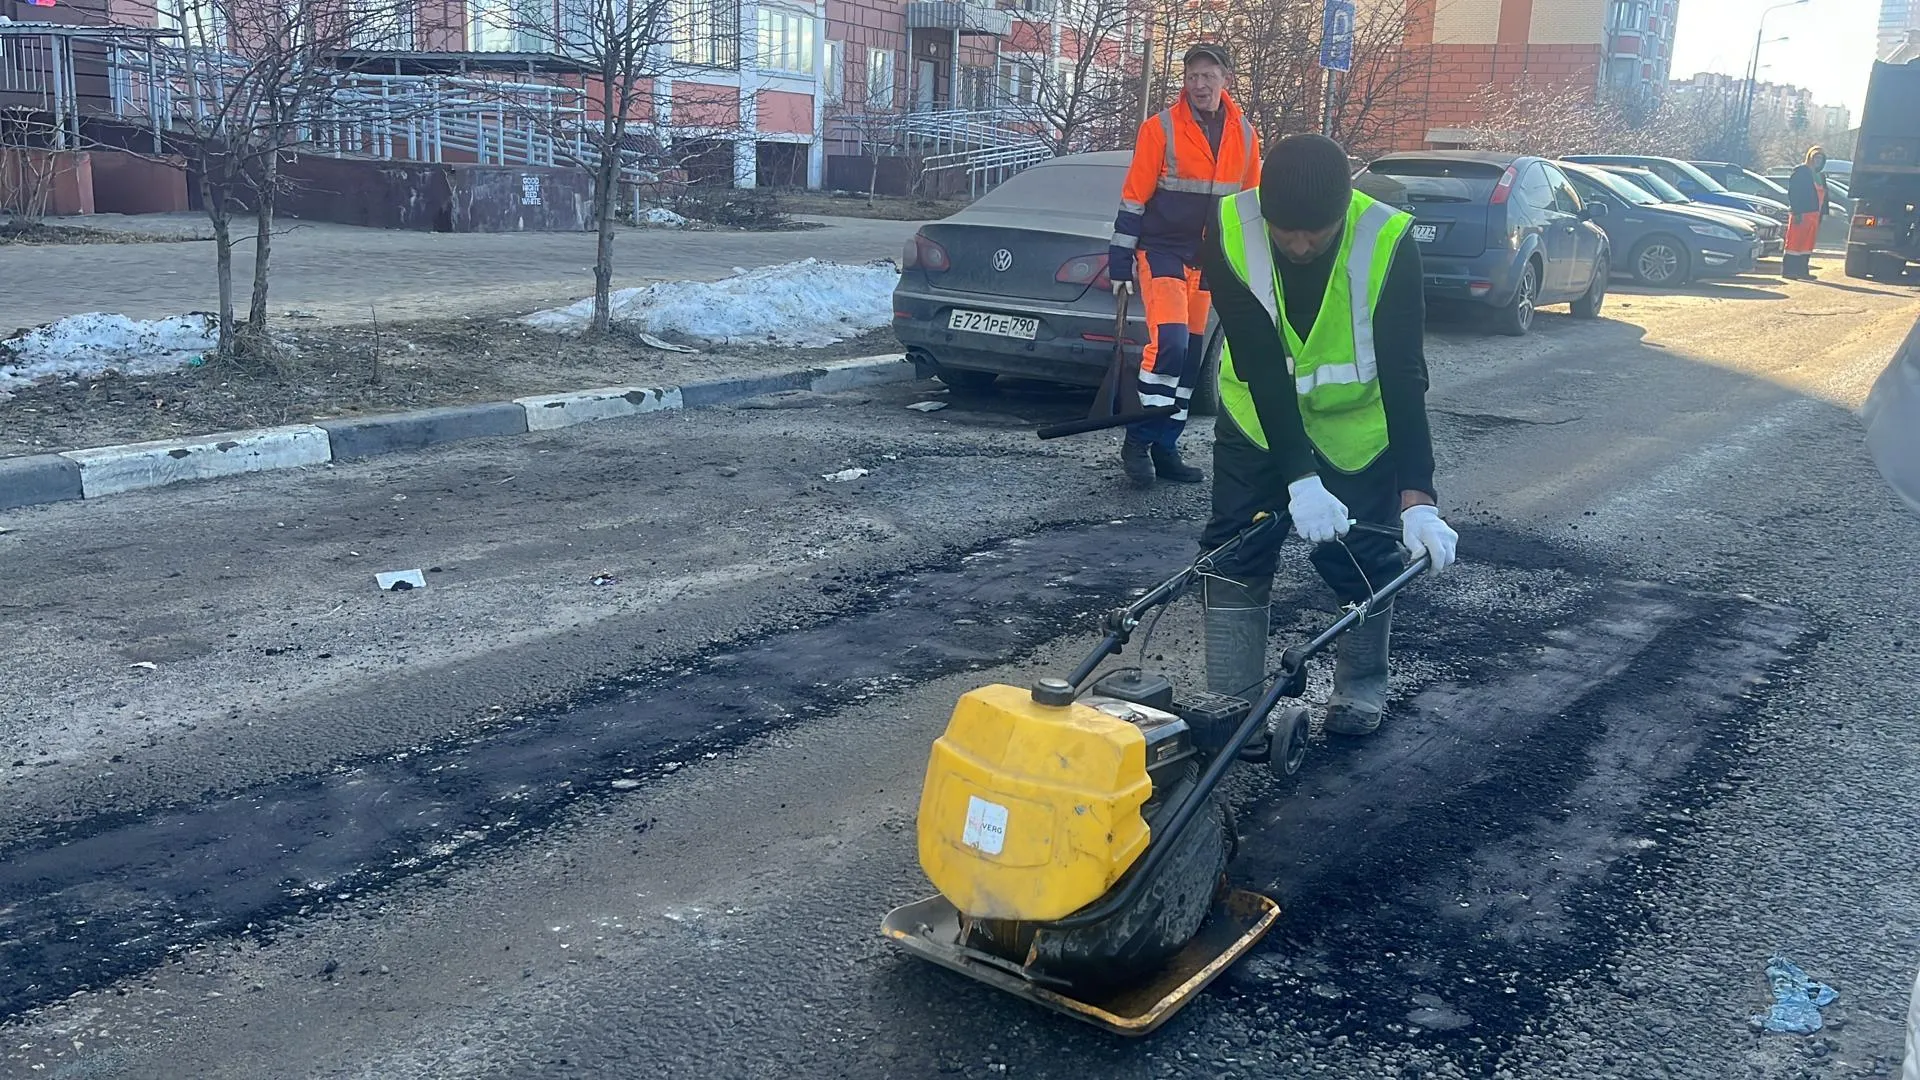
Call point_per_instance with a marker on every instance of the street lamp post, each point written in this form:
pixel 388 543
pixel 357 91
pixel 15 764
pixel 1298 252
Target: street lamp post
pixel 1753 74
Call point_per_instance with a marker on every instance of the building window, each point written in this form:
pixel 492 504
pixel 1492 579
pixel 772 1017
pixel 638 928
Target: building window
pixel 200 22
pixel 509 26
pixel 976 88
pixel 706 32
pixel 786 41
pixel 879 79
pixel 1018 83
pixel 833 73
pixel 378 24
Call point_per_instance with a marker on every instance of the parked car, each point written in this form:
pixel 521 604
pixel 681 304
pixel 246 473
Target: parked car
pixel 1691 182
pixel 1772 234
pixel 1503 230
pixel 1742 181
pixel 1665 245
pixel 1016 284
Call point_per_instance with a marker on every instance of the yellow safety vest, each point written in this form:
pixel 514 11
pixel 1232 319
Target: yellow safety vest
pixel 1333 370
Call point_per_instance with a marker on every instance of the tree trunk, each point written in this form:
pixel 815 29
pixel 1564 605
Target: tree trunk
pixel 262 249
pixel 615 98
pixel 606 192
pixel 213 196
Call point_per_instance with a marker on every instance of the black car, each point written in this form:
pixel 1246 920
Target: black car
pixel 1503 230
pixel 1664 245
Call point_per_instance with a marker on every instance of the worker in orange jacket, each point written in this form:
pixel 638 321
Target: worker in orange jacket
pixel 1184 160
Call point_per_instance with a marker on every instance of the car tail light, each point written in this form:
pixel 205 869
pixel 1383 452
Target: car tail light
pixel 1085 270
pixel 924 254
pixel 1504 188
pixel 1478 289
pixel 1866 221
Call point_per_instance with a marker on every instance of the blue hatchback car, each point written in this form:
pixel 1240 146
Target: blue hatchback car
pixel 1503 230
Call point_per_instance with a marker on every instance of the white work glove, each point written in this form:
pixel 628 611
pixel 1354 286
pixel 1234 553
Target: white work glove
pixel 1422 531
pixel 1317 515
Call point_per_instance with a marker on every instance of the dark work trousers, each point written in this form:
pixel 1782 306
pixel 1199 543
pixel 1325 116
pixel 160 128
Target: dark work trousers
pixel 1246 480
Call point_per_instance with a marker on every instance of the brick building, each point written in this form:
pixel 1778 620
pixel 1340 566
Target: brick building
pixel 1462 47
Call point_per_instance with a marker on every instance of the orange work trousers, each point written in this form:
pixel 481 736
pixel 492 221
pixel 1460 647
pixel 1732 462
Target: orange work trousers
pixel 1176 308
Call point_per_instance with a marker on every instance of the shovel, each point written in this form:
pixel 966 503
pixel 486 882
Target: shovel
pixel 1117 403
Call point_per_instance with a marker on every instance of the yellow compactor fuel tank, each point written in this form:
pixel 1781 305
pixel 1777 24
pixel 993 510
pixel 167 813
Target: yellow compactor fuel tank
pixel 1031 811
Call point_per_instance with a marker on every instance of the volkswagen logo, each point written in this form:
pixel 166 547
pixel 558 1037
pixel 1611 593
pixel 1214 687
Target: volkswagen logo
pixel 1002 259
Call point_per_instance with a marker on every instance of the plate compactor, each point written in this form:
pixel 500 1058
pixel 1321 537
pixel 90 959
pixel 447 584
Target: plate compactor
pixel 1074 835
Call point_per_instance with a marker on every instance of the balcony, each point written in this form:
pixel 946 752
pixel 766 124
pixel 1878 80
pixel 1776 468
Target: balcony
pixel 956 15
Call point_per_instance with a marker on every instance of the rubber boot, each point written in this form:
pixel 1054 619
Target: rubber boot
pixel 1136 460
pixel 1360 677
pixel 1168 466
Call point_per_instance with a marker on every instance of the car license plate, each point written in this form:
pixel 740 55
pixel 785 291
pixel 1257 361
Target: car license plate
pixel 982 322
pixel 1425 234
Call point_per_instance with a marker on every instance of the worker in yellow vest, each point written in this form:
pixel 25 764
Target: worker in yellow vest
pixel 1322 411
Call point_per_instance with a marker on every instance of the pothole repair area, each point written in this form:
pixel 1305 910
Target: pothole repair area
pixel 1561 728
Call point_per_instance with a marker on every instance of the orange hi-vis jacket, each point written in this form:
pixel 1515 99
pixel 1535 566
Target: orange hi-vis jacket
pixel 1176 180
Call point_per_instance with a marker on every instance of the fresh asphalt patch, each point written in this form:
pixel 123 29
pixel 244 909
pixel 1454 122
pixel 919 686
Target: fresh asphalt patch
pixel 1437 881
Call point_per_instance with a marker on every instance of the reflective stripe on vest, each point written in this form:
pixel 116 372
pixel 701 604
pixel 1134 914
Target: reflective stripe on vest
pixel 1334 371
pixel 1170 178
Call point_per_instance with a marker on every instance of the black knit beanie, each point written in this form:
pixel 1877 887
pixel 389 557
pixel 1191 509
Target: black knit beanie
pixel 1305 183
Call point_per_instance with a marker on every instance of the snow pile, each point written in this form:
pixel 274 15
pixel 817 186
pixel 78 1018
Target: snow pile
pixel 805 304
pixel 662 217
pixel 82 346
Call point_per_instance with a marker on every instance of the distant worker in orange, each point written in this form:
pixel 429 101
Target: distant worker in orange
pixel 1806 208
pixel 1184 160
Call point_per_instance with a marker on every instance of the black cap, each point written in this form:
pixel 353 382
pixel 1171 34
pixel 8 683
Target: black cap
pixel 1306 183
pixel 1208 50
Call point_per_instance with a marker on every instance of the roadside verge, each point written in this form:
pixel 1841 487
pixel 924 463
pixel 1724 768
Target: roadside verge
pixel 110 470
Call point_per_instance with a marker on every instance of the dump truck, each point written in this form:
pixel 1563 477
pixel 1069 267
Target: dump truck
pixel 1884 233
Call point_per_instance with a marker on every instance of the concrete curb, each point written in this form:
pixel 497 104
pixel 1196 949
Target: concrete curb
pixel 110 470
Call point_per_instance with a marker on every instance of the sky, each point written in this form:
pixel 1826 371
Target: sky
pixel 1829 47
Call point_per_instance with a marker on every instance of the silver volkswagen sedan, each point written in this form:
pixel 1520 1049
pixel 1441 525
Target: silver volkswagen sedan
pixel 1016 284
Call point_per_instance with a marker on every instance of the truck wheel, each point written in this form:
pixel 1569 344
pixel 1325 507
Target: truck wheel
pixel 1889 267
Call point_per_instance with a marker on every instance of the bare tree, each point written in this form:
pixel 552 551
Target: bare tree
pixel 875 135
pixel 1077 92
pixel 1284 90
pixel 631 130
pixel 1558 117
pixel 254 75
pixel 28 168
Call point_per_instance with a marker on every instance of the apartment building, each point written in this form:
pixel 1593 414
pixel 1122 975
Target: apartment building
pixel 1775 105
pixel 786 92
pixel 1897 19
pixel 1624 46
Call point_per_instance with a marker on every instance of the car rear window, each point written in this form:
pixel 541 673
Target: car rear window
pixel 1071 189
pixel 1442 181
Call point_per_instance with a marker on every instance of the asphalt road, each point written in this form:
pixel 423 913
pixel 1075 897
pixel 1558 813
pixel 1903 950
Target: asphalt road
pixel 1655 728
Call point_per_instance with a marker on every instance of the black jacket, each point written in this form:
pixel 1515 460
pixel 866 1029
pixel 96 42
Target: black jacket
pixel 1259 355
pixel 1803 197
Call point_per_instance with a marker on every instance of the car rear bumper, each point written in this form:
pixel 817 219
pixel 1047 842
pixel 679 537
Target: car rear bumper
pixel 1065 348
pixel 1485 279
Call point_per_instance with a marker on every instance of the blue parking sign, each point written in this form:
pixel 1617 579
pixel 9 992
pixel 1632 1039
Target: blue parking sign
pixel 1336 36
